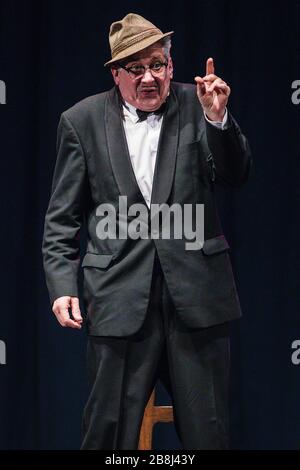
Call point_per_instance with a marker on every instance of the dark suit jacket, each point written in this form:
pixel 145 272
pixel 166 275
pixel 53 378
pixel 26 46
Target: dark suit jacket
pixel 93 167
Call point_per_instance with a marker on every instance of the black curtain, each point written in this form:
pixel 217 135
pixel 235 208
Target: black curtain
pixel 51 56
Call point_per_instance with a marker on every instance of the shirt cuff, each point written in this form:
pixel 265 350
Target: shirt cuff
pixel 219 124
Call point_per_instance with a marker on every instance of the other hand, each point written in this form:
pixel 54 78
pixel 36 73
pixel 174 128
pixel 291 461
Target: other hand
pixel 61 310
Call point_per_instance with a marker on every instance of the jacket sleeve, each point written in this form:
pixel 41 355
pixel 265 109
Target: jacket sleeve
pixel 230 155
pixel 64 217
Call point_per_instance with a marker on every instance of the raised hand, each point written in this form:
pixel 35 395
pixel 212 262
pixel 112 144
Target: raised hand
pixel 213 93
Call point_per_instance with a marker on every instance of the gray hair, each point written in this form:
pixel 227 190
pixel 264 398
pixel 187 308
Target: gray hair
pixel 166 45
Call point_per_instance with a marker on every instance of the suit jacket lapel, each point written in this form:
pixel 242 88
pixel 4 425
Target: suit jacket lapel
pixel 118 151
pixel 166 154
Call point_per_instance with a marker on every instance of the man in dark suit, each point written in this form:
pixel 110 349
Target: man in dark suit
pixel 153 307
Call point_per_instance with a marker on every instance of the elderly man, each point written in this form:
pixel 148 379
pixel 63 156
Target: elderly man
pixel 153 309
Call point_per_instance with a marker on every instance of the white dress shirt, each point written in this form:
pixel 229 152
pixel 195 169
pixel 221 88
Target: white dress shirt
pixel 142 140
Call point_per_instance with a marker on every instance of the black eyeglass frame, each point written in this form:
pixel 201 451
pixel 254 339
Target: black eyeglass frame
pixel 144 67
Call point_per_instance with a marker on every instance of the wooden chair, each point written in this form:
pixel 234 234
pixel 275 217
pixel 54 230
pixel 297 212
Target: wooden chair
pixel 152 415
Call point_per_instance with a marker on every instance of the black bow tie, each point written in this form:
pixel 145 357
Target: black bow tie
pixel 144 114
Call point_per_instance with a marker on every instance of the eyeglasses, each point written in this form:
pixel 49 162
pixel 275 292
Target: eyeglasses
pixel 138 71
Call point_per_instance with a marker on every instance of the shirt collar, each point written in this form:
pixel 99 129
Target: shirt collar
pixel 129 111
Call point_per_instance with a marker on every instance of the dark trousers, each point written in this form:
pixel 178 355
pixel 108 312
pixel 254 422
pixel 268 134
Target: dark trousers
pixel 193 365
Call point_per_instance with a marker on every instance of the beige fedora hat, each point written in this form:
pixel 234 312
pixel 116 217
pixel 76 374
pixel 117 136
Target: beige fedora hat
pixel 130 35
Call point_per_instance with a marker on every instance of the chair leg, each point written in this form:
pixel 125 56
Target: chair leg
pixel 152 415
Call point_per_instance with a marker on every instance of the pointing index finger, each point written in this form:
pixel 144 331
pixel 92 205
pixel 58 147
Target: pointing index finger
pixel 210 66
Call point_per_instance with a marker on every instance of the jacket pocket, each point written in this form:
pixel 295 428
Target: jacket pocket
pixel 215 245
pixel 96 260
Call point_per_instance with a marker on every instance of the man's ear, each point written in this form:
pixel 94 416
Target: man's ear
pixel 115 74
pixel 170 66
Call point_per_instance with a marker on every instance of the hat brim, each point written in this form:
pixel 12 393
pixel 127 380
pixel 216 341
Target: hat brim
pixel 137 47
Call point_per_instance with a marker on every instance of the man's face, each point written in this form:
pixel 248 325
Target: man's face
pixel 149 91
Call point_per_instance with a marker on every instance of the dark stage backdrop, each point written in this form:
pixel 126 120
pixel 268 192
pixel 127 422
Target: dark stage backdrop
pixel 51 56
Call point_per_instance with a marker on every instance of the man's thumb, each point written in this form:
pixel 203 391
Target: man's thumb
pixel 75 309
